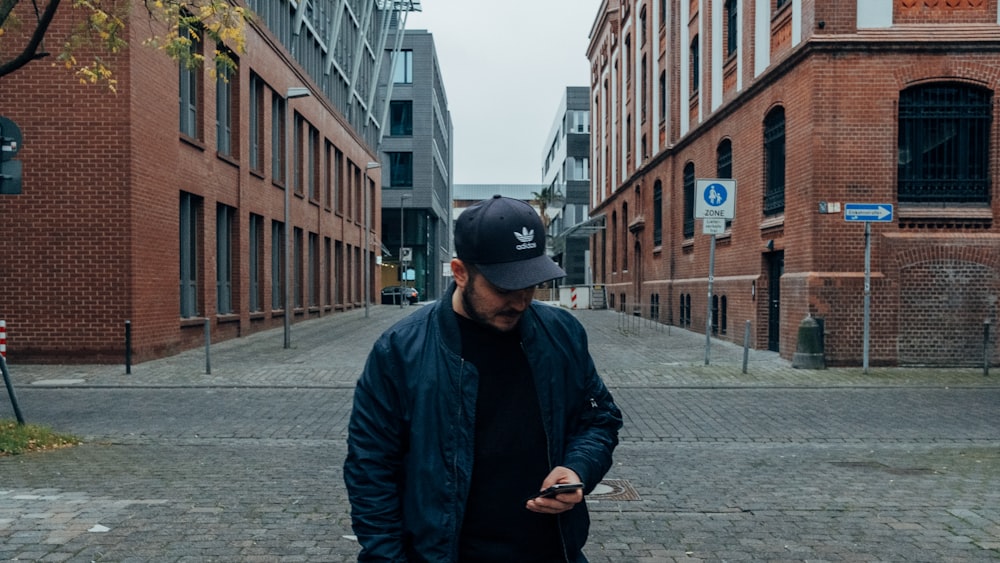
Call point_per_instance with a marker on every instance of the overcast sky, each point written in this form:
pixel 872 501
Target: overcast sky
pixel 505 66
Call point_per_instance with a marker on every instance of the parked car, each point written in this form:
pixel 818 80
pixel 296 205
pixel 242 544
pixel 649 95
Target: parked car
pixel 391 295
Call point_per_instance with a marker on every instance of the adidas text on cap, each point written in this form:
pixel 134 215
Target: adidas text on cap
pixel 504 239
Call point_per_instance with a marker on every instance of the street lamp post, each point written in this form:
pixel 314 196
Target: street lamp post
pixel 367 276
pixel 402 271
pixel 293 92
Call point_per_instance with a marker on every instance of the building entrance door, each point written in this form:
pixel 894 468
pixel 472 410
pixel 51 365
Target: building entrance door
pixel 775 267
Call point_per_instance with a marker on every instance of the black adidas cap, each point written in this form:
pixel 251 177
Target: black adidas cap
pixel 504 239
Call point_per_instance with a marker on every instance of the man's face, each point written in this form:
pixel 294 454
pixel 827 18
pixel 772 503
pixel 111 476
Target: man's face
pixel 485 303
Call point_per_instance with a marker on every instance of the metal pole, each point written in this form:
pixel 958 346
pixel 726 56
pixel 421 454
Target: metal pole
pixel 292 93
pixel 402 270
pixel 288 230
pixel 746 346
pixel 208 347
pixel 128 347
pixel 986 348
pixel 708 308
pixel 868 291
pixel 367 277
pixel 10 390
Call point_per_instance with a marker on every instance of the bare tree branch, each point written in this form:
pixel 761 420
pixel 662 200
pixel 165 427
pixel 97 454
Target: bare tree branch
pixel 30 51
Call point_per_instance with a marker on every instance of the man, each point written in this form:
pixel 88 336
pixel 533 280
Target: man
pixel 469 407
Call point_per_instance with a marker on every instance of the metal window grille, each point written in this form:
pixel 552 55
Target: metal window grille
pixel 944 144
pixel 774 151
pixel 689 200
pixel 657 214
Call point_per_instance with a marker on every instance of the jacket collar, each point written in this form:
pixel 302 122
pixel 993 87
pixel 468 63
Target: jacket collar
pixel 448 325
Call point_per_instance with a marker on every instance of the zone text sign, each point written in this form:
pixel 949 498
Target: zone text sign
pixel 715 198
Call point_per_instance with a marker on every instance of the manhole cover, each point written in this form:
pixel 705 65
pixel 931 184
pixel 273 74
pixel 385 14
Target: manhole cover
pixel 614 489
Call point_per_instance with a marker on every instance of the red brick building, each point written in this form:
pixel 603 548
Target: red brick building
pixel 136 208
pixel 809 105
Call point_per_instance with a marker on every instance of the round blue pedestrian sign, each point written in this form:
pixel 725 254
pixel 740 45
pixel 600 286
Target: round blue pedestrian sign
pixel 715 195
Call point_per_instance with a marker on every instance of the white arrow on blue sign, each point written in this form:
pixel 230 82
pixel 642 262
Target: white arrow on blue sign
pixel 877 212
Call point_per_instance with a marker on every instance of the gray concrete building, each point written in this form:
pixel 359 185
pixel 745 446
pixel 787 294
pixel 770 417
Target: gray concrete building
pixel 417 158
pixel 564 200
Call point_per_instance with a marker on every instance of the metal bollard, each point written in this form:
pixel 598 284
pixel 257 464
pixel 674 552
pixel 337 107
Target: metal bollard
pixel 208 347
pixel 128 347
pixel 746 346
pixel 986 348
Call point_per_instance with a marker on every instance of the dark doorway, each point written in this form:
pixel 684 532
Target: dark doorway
pixel 775 267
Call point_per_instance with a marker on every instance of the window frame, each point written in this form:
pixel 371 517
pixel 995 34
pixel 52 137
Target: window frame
pixel 774 161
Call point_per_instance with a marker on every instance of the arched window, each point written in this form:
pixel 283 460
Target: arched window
pixel 689 200
pixel 724 164
pixel 625 236
pixel 774 162
pixel 944 144
pixel 614 241
pixel 657 213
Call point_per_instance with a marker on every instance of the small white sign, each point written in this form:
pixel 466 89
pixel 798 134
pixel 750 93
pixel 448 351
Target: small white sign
pixel 715 198
pixel 406 254
pixel 713 226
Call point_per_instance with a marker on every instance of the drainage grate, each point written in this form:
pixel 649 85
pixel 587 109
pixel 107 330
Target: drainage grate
pixel 614 489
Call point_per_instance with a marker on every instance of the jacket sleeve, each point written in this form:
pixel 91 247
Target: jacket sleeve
pixel 375 450
pixel 594 436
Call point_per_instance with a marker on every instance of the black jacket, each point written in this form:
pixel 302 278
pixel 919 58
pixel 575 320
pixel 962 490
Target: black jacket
pixel 410 443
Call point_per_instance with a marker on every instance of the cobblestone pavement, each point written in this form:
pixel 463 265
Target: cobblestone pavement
pixel 777 464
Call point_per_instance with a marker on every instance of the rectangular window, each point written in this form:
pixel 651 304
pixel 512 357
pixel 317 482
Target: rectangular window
pixel 256 261
pixel 298 125
pixel 313 270
pixel 403 67
pixel 256 123
pixel 298 262
pixel 400 169
pixel 328 176
pixel 277 265
pixel 695 65
pixel 401 117
pixel 190 86
pixel 657 214
pixel 312 165
pixel 338 272
pixel 689 200
pixel 338 181
pixel 732 28
pixel 327 272
pixel 224 216
pixel 226 81
pixel 190 219
pixel 277 138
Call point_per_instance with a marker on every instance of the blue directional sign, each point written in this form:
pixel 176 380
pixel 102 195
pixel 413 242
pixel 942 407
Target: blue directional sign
pixel 871 212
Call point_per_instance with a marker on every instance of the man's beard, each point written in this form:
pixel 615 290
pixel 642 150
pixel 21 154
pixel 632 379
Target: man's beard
pixel 468 293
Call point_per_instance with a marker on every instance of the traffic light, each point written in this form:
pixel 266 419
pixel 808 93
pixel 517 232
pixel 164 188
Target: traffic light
pixel 10 169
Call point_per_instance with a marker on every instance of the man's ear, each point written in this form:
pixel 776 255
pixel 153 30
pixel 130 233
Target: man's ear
pixel 459 272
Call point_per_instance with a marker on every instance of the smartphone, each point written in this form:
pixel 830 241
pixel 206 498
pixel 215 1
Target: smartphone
pixel 559 489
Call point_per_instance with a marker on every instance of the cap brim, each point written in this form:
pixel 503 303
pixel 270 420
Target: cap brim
pixel 521 274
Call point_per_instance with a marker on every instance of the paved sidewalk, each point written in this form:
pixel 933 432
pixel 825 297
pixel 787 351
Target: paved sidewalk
pixel 774 465
pixel 629 352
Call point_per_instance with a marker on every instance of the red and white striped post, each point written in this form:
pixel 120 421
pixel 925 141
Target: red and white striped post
pixel 572 297
pixel 3 338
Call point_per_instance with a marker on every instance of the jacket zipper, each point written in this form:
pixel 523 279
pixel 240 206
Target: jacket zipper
pixel 548 449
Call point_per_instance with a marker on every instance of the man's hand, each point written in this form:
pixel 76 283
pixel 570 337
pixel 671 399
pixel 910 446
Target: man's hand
pixel 558 503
